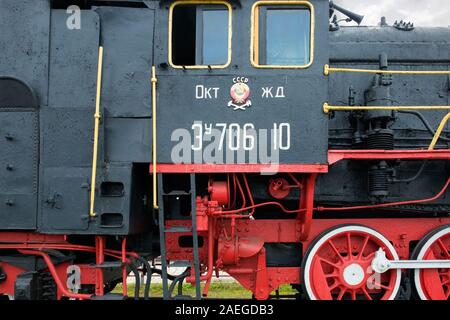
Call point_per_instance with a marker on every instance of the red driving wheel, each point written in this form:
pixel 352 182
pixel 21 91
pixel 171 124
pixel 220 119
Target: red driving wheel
pixel 337 266
pixel 433 284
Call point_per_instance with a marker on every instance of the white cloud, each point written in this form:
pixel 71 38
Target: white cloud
pixel 422 13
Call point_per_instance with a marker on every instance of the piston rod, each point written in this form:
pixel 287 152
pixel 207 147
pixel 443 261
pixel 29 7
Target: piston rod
pixel 381 264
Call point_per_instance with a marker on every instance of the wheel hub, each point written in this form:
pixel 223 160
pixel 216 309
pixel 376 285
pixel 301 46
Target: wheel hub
pixel 353 274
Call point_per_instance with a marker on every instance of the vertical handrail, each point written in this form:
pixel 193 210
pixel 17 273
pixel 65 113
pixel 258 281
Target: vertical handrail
pixel 154 81
pixel 195 250
pixel 162 245
pixel 97 117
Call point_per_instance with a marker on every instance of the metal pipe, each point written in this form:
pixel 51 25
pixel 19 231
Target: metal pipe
pixel 149 273
pixel 390 204
pixel 327 108
pixel 137 286
pixel 154 81
pixel 124 267
pixel 54 273
pixel 97 117
pixel 425 123
pixel 327 70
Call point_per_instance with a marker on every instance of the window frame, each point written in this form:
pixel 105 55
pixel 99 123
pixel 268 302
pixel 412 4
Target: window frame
pixel 256 30
pixel 208 3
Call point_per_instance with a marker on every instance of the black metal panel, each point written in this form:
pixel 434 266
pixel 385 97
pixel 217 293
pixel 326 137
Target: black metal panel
pixel 73 57
pixel 127 35
pixel 299 104
pixel 24 42
pixel 63 129
pixel 366 43
pixel 19 156
pixel 283 254
pixel 132 135
pixel 64 200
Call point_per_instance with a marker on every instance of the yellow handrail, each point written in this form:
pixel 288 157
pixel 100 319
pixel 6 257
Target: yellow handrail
pixel 154 81
pixel 327 108
pixel 97 117
pixel 439 131
pixel 327 70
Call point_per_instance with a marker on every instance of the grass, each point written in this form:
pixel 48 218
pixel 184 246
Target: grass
pixel 219 290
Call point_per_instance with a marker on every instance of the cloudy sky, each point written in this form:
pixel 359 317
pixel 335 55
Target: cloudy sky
pixel 423 13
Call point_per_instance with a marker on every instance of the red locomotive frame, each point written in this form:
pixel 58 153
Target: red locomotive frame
pixel 242 257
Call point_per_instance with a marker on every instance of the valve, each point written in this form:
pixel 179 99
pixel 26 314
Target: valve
pixel 218 191
pixel 279 188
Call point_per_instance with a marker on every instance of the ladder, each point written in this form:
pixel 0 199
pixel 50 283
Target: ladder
pixel 167 291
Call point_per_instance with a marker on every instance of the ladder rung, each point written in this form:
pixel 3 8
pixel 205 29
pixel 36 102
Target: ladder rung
pixel 178 229
pixel 180 264
pixel 182 297
pixel 177 193
pixel 110 264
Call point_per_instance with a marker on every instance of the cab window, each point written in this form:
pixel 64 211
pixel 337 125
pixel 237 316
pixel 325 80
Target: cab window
pixel 282 36
pixel 200 35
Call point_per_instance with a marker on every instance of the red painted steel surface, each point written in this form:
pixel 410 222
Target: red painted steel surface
pixel 236 168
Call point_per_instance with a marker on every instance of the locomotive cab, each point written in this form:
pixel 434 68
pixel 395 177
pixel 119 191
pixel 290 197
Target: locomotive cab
pixel 246 79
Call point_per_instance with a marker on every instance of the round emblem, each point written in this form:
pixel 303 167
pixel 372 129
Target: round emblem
pixel 240 92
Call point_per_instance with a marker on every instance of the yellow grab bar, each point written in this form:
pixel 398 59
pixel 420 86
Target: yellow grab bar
pixel 154 81
pixel 439 132
pixel 327 70
pixel 97 117
pixel 327 108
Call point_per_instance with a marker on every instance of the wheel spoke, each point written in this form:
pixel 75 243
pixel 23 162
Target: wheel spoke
pixel 349 246
pixel 334 286
pixel 363 247
pixel 328 262
pixel 364 290
pixel 331 244
pixel 443 248
pixel 379 285
pixel 341 293
pixel 332 275
pixel 370 256
pixel 353 294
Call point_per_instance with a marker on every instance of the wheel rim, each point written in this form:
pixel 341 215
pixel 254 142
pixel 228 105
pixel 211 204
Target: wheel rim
pixel 433 284
pixel 331 273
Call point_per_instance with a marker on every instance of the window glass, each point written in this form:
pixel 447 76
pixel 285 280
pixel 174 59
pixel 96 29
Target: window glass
pixel 287 37
pixel 283 35
pixel 200 35
pixel 215 37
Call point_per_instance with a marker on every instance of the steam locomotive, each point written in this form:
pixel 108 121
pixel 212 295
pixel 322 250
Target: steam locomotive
pixel 263 139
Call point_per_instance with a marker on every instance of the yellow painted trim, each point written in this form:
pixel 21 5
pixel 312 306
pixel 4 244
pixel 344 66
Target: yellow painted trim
pixel 439 131
pixel 230 32
pixel 97 117
pixel 327 70
pixel 154 81
pixel 327 108
pixel 254 37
